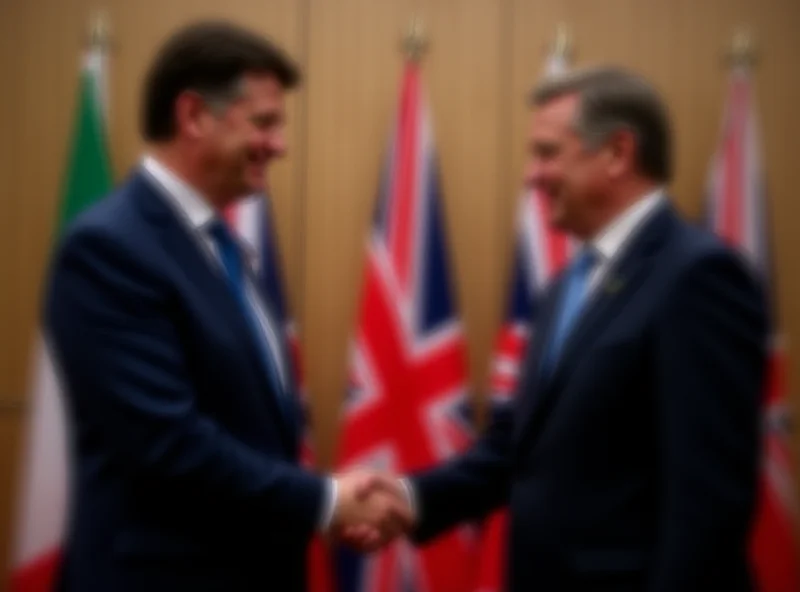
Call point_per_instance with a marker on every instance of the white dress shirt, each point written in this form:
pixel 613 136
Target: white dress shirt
pixel 198 216
pixel 609 244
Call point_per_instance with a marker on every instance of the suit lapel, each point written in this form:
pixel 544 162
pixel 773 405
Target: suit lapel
pixel 530 382
pixel 620 283
pixel 183 247
pixel 280 331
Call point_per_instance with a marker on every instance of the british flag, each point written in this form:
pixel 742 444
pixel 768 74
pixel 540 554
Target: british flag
pixel 737 211
pixel 252 220
pixel 406 407
pixel 539 253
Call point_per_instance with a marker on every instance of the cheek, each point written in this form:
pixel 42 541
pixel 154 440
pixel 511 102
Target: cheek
pixel 551 170
pixel 256 140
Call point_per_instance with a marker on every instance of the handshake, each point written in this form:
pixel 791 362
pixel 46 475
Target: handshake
pixel 371 510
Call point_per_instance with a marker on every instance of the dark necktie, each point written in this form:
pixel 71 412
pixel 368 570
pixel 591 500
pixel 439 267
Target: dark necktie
pixel 233 262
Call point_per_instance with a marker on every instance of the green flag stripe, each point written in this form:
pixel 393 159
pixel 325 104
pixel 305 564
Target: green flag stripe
pixel 88 175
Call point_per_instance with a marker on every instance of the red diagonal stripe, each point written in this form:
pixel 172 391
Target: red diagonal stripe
pixel 442 370
pixel 370 424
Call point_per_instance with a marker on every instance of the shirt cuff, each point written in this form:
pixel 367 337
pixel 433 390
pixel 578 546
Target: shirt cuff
pixel 411 497
pixel 328 504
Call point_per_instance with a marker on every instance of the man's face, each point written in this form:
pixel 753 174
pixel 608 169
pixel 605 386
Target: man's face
pixel 240 141
pixel 567 174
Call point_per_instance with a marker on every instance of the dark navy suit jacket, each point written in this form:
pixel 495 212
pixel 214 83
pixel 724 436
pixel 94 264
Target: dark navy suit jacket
pixel 185 474
pixel 633 465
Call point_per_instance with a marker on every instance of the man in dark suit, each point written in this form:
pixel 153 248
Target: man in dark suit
pixel 184 417
pixel 629 457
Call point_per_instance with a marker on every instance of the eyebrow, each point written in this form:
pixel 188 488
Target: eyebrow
pixel 267 118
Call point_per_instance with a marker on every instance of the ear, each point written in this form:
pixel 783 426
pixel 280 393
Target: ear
pixel 622 152
pixel 190 111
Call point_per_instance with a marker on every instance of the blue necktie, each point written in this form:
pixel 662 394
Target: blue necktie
pixel 232 261
pixel 572 300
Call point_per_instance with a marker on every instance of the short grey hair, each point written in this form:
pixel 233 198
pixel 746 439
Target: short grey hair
pixel 612 99
pixel 220 98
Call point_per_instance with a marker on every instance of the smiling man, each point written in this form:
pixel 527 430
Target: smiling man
pixel 184 414
pixel 629 458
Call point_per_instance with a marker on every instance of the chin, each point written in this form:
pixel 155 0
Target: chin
pixel 557 220
pixel 254 185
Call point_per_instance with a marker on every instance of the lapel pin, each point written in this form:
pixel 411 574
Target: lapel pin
pixel 614 285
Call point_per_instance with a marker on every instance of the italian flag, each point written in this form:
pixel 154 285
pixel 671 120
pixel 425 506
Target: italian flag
pixel 43 497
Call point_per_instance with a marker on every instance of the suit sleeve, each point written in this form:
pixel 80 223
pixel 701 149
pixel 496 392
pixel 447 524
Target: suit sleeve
pixel 478 482
pixel 710 365
pixel 112 329
pixel 469 486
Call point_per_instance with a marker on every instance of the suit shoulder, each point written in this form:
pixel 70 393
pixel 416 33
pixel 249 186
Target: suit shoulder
pixel 94 219
pixel 698 248
pixel 111 239
pixel 111 221
pixel 704 259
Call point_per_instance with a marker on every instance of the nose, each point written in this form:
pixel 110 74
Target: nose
pixel 277 143
pixel 533 173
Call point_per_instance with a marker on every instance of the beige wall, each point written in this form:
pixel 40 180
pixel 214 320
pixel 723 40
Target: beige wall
pixel 484 56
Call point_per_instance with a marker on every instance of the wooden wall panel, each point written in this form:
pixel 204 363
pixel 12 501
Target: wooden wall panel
pixel 11 431
pixel 44 86
pixel 354 71
pixel 8 100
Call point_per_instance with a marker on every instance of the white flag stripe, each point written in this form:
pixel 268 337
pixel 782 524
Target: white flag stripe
pixel 43 499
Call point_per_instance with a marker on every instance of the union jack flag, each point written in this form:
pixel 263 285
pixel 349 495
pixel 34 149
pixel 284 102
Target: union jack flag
pixel 252 220
pixel 406 407
pixel 737 211
pixel 539 253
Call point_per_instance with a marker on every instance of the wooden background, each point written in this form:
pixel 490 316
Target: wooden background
pixel 484 56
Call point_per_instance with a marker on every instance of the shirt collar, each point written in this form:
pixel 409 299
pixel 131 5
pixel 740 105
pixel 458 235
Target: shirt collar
pixel 614 236
pixel 194 208
pixel 190 204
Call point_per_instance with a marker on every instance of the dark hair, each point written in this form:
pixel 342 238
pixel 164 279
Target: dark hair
pixel 613 99
pixel 210 58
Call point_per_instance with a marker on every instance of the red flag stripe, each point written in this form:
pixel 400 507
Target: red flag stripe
pixel 38 575
pixel 734 169
pixel 405 182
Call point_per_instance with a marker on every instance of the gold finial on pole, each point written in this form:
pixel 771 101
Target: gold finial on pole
pixel 742 50
pixel 99 30
pixel 562 44
pixel 415 42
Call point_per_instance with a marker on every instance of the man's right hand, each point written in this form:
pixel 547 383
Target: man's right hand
pixel 371 509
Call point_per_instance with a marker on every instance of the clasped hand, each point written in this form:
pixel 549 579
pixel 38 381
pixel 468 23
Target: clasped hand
pixel 371 510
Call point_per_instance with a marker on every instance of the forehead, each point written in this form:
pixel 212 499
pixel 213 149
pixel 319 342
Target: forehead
pixel 555 116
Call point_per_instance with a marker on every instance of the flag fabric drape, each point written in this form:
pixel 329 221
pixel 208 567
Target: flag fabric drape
pixel 43 498
pixel 737 210
pixel 406 407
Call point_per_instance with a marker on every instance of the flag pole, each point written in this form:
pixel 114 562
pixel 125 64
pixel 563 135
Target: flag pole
pixel 742 50
pixel 99 36
pixel 415 42
pixel 96 57
pixel 561 47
